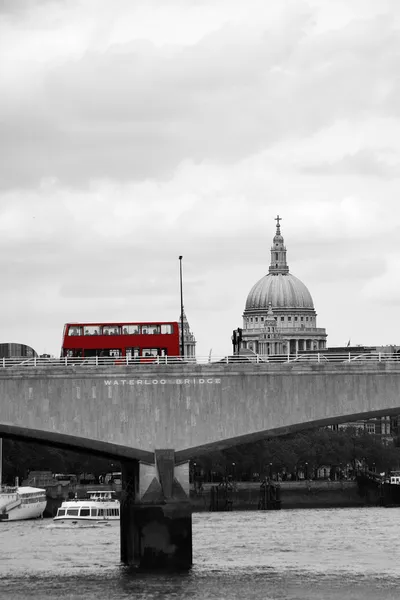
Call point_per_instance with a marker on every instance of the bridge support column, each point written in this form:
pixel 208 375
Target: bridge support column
pixel 156 516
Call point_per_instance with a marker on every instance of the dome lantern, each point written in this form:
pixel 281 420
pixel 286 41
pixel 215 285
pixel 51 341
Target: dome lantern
pixel 278 252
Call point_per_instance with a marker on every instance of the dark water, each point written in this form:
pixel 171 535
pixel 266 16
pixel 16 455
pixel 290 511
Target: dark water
pixel 347 554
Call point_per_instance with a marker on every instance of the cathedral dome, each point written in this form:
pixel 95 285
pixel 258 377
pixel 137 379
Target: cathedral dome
pixel 279 317
pixel 282 291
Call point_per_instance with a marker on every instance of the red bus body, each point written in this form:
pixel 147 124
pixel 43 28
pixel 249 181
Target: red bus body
pixel 120 340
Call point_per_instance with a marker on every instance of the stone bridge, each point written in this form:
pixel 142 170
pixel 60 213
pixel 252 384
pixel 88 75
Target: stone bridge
pixel 154 418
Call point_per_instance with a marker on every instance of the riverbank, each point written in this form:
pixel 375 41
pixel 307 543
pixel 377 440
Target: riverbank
pixel 293 494
pixel 246 495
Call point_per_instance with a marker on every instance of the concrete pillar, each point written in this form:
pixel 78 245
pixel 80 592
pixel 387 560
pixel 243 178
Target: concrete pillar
pixel 129 492
pixel 156 516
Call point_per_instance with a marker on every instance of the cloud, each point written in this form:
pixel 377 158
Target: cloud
pixel 18 7
pixel 384 287
pixel 137 133
pixel 365 163
pixel 136 111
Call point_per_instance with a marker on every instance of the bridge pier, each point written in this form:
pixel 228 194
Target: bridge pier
pixel 156 516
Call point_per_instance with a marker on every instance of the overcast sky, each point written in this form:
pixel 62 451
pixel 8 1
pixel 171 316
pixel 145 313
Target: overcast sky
pixel 133 132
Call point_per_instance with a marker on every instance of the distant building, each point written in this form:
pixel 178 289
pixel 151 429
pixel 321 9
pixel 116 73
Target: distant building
pixel 279 316
pixel 12 350
pixel 189 341
pixel 383 426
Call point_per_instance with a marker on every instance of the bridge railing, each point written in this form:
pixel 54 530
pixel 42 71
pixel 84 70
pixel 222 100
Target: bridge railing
pixel 96 361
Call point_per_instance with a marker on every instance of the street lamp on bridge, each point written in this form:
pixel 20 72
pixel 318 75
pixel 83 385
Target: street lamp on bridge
pixel 181 288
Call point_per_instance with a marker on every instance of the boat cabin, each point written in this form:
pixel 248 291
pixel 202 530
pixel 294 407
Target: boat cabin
pixel 88 512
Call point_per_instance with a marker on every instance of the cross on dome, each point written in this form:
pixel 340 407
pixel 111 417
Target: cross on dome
pixel 278 225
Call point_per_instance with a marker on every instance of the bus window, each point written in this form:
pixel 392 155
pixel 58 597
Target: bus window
pixel 132 352
pixel 166 328
pixel 115 352
pixel 75 330
pixel 111 330
pixel 130 329
pixel 73 353
pixel 91 330
pixel 150 352
pixel 151 329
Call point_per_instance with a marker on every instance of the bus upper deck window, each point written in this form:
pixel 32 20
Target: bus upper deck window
pixel 75 331
pixel 92 330
pixel 166 328
pixel 111 330
pixel 151 329
pixel 130 329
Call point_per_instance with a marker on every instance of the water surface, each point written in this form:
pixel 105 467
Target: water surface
pixel 327 554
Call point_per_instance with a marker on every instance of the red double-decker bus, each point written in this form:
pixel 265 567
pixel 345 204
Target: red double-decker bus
pixel 139 341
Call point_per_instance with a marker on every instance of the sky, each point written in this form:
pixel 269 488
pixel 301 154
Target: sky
pixel 132 132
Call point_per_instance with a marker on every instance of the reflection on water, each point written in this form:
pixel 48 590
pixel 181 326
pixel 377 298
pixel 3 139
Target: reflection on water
pixel 287 555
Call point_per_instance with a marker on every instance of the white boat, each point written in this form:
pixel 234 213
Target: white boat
pixel 100 508
pixel 18 503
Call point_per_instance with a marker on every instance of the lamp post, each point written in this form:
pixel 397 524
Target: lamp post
pixel 194 474
pixel 182 334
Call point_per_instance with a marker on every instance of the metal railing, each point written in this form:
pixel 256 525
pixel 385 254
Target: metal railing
pixel 96 361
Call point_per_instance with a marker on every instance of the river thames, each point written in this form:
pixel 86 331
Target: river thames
pixel 346 554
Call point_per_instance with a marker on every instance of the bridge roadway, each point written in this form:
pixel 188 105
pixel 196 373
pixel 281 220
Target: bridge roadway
pixel 154 418
pixel 130 411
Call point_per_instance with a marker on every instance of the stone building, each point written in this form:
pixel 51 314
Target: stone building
pixel 189 341
pixel 279 316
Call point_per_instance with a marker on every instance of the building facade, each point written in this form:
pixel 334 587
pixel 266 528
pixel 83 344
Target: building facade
pixel 189 341
pixel 12 350
pixel 279 316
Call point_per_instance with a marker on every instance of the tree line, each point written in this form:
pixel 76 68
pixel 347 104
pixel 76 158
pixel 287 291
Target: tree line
pixel 304 452
pixel 21 457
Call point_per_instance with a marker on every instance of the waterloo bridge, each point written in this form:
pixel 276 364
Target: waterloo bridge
pixel 155 418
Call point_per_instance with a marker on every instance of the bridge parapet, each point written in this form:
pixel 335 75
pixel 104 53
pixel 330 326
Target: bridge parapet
pixel 184 369
pixel 243 358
